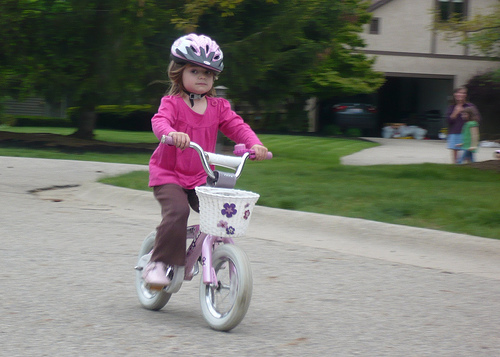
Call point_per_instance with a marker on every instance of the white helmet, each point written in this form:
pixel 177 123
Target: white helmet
pixel 200 50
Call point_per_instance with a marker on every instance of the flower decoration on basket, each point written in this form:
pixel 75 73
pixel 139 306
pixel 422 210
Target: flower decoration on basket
pixel 224 224
pixel 247 212
pixel 229 210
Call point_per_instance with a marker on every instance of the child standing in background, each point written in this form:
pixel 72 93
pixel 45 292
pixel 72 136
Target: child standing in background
pixel 470 135
pixel 456 121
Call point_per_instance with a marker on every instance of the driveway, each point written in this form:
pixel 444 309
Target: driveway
pixel 408 151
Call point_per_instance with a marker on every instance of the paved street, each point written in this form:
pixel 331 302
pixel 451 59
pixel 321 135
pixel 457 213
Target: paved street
pixel 322 285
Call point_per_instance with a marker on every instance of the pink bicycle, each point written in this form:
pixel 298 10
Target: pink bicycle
pixel 226 280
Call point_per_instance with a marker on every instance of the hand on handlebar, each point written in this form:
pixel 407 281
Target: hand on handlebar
pixel 257 152
pixel 260 152
pixel 180 140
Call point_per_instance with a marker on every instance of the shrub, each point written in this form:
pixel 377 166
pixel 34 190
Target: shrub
pixel 31 120
pixel 119 117
pixel 484 91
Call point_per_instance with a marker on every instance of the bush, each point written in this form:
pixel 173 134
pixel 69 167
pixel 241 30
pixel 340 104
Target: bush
pixel 484 91
pixel 353 132
pixel 7 119
pixel 116 117
pixel 332 130
pixel 37 121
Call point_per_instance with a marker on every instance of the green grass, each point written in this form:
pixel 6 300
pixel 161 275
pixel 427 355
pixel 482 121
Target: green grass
pixel 306 175
pixel 102 135
pixel 118 136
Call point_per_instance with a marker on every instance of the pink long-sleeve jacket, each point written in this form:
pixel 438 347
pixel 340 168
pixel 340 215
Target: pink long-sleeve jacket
pixel 169 164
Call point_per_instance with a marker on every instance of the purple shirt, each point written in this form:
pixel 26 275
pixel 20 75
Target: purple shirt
pixel 169 164
pixel 455 125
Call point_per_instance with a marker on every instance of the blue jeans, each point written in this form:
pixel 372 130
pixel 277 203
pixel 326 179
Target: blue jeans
pixel 466 156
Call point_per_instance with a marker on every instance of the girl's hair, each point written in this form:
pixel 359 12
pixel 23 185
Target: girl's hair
pixel 472 113
pixel 174 72
pixel 460 88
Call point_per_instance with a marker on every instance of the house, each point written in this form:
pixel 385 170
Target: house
pixel 35 106
pixel 420 66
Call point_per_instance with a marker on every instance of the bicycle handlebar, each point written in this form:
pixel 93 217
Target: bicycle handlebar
pixel 235 163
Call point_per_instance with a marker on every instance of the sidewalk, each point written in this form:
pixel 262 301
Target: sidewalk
pixel 408 151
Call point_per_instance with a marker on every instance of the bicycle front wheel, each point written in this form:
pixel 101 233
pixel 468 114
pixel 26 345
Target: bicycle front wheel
pixel 224 305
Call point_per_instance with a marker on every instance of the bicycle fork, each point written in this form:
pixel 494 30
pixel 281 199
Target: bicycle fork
pixel 202 248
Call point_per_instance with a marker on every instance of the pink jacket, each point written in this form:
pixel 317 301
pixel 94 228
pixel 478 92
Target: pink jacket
pixel 171 165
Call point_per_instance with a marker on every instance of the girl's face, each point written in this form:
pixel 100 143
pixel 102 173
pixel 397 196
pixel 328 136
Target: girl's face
pixel 197 80
pixel 465 116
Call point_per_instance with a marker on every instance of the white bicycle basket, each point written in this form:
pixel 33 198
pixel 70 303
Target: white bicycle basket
pixel 225 212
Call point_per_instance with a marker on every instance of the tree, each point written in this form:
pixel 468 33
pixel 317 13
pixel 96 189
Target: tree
pixel 481 31
pixel 287 51
pixel 14 64
pixel 107 51
pixel 91 52
pixel 484 92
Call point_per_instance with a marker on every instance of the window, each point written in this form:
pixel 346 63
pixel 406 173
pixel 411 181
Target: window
pixel 451 8
pixel 374 25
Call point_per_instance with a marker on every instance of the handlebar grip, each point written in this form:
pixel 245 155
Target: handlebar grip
pixel 240 149
pixel 165 139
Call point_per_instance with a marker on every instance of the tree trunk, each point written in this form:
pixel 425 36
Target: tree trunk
pixel 86 124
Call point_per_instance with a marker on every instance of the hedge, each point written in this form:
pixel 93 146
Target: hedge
pixel 32 120
pixel 119 117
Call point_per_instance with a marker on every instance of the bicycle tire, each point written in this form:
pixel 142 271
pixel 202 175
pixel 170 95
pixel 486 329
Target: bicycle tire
pixel 224 306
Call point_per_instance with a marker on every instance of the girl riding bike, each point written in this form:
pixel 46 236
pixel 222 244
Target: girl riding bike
pixel 189 112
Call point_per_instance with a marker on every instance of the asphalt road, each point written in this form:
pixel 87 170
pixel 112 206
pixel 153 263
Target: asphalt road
pixel 323 285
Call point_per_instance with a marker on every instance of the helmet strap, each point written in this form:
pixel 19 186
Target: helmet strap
pixel 193 96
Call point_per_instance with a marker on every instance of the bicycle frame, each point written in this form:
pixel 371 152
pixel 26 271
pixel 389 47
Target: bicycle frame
pixel 202 251
pixel 226 284
pixel 202 246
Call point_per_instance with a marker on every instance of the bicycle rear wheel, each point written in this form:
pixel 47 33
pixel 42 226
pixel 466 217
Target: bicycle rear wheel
pixel 150 299
pixel 225 305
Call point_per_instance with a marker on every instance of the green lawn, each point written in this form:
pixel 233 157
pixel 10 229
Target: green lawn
pixel 306 175
pixel 118 136
pixel 102 135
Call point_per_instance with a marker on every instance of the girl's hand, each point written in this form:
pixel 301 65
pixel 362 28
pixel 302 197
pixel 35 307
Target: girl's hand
pixel 181 140
pixel 472 148
pixel 260 152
